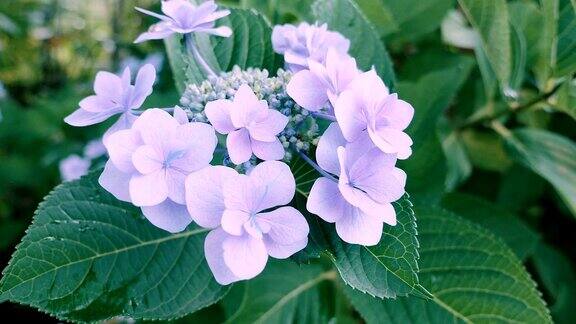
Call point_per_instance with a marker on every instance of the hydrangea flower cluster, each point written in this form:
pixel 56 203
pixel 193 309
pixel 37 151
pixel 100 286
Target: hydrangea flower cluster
pixel 165 163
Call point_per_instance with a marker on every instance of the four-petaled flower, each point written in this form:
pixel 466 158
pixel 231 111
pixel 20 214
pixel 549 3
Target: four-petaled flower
pixel 359 202
pixel 305 42
pixel 313 89
pixel 237 208
pixel 183 17
pixel 367 107
pixel 114 95
pixel 149 164
pixel 250 124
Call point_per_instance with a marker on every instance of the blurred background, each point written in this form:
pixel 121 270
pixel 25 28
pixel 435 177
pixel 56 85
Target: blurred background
pixel 50 51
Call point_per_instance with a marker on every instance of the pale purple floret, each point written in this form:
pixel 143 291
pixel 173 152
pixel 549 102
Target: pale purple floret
pixel 359 202
pixel 313 89
pixel 182 17
pixel 73 167
pixel 252 127
pixel 367 107
pixel 243 235
pixel 114 95
pixel 149 164
pixel 305 42
pixel 94 149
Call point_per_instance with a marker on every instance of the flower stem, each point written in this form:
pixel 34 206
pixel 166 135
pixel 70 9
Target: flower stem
pixel 489 118
pixel 316 166
pixel 191 45
pixel 324 116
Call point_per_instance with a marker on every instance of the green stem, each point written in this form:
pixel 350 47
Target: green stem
pixel 502 113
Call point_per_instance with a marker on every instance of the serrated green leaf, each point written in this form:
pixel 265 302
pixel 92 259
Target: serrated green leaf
pixel 89 257
pixel 346 17
pixel 388 269
pixel 473 276
pixel 430 96
pixel 283 293
pixel 507 226
pixel 490 19
pixel 549 155
pixel 556 273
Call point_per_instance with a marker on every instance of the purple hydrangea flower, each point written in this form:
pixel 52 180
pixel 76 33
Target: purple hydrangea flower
pixel 367 107
pixel 182 17
pixel 243 236
pixel 94 149
pixel 305 42
pixel 114 95
pixel 73 167
pixel 359 202
pixel 251 126
pixel 313 89
pixel 149 164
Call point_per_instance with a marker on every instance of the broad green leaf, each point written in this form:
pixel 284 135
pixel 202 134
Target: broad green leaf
pixel 394 259
pixel 89 257
pixel 317 243
pixel 279 11
pixel 490 19
pixel 458 164
pixel 388 269
pixel 379 15
pixel 507 226
pixel 546 61
pixel 556 273
pixel 519 53
pixel 177 60
pixel 347 18
pixel 549 155
pixel 520 189
pixel 566 98
pixel 527 17
pixel 304 174
pixel 486 150
pixel 566 50
pixel 283 293
pixel 417 17
pixel 430 97
pixel 249 46
pixel 473 276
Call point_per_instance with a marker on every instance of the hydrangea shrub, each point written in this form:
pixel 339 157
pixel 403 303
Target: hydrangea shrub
pixel 263 195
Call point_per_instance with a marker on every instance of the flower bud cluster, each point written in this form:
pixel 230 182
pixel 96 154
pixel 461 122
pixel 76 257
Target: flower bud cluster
pixel 302 130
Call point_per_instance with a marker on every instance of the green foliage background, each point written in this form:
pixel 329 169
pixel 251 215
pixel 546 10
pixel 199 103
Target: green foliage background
pixel 486 234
